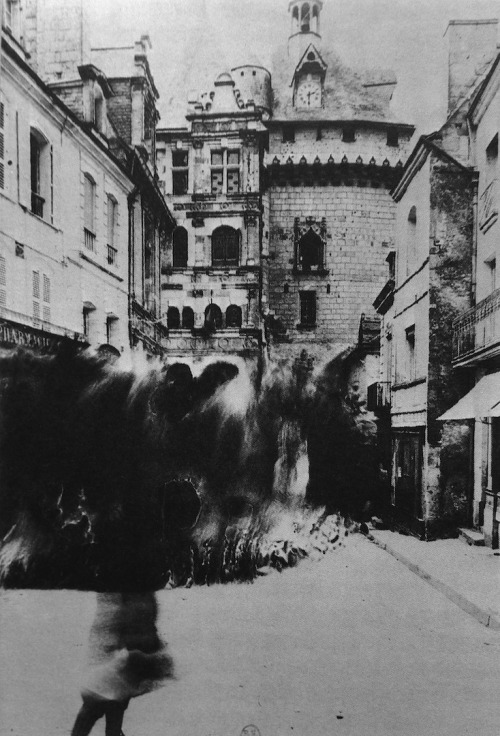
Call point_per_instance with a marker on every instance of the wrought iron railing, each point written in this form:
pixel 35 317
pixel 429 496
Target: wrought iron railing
pixel 37 203
pixel 477 329
pixel 89 239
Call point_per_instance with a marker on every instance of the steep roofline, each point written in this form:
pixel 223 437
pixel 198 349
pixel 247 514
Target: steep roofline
pixel 417 158
pixel 478 92
pixel 60 104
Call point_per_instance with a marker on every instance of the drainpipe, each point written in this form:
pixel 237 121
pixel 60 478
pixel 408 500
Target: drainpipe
pixel 475 186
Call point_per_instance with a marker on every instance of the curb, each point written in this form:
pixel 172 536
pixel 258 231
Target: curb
pixel 481 615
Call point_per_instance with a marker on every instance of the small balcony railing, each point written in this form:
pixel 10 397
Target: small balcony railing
pixel 37 203
pixel 478 329
pixel 89 239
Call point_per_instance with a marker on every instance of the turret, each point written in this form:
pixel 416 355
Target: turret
pixel 254 84
pixel 305 26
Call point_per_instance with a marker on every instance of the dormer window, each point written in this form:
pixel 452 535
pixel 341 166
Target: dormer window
pixel 392 137
pixel 348 134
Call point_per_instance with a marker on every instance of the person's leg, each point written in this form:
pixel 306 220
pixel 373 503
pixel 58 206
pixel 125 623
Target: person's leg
pixel 92 709
pixel 115 710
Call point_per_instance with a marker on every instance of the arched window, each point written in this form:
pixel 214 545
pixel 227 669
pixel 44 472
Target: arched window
pixel 295 20
pixel 233 316
pixel 187 318
pixel 310 251
pixel 411 235
pixel 213 318
pixel 315 19
pixel 173 318
pixel 225 247
pixel 305 18
pixel 180 248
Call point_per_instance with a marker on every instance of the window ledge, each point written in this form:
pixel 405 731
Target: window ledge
pixel 98 265
pixel 303 327
pixel 40 219
pixel 318 272
pixel 408 384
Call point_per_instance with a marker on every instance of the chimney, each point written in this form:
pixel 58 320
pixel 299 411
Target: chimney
pixel 57 38
pixel 472 47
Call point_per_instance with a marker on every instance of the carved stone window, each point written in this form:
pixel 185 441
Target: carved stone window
pixel 233 316
pixel 225 247
pixel 187 318
pixel 173 318
pixel 310 252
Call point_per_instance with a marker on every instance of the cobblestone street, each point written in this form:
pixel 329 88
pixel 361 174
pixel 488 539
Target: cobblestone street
pixel 354 644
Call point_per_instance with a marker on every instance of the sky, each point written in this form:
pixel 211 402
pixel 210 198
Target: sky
pixel 190 38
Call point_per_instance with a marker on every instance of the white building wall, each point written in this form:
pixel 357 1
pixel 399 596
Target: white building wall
pixel 53 245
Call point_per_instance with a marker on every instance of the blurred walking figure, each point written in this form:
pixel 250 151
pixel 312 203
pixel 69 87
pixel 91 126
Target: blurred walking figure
pixel 126 658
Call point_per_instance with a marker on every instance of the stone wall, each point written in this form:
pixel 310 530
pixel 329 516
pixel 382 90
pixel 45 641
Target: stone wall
pixel 358 224
pixel 450 274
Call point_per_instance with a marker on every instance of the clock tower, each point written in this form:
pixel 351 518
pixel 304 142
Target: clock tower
pixel 305 26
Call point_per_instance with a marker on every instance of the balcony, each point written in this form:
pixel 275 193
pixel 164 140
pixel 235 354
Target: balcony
pixel 89 240
pixel 476 334
pixel 37 203
pixel 145 327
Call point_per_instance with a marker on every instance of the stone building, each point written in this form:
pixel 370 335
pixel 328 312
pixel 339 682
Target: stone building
pixel 431 281
pixel 289 170
pixel 476 332
pixel 80 249
pixel 211 276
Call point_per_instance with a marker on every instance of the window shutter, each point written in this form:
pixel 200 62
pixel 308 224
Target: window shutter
pixel 23 147
pixel 2 145
pixel 36 294
pixel 3 282
pixel 46 298
pixel 89 194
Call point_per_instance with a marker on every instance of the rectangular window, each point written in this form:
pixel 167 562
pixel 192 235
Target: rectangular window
pixel 2 145
pixel 89 212
pixel 392 137
pixel 41 296
pixel 180 172
pixel 217 182
pixel 3 282
pixel 225 172
pixel 307 308
pixel 348 134
pixel 179 182
pixel 411 371
pixel 111 220
pixel 36 294
pixel 233 181
pixel 288 134
pixel 112 253
pixel 37 201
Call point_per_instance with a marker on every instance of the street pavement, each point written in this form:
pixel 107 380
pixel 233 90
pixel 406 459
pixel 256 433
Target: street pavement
pixel 355 644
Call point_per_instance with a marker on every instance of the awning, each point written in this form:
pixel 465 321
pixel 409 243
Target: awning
pixel 481 401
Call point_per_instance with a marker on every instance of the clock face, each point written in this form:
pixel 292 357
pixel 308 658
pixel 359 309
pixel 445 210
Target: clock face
pixel 309 94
